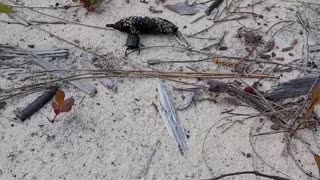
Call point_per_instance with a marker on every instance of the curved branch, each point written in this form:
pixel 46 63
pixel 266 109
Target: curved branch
pixel 250 172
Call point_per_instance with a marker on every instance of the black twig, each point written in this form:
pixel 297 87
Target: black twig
pixel 37 104
pixel 250 172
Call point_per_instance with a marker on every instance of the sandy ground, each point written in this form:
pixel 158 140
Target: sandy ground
pixel 121 135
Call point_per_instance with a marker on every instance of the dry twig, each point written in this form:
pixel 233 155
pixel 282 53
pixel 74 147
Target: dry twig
pixel 250 172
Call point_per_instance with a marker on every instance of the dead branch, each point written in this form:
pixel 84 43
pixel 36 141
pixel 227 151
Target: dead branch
pixel 218 21
pixel 291 89
pixel 250 172
pixel 250 99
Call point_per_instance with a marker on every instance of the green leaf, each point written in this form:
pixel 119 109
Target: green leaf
pixel 5 9
pixel 96 2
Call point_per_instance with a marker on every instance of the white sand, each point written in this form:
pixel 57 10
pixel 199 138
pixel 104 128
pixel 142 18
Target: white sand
pixel 113 135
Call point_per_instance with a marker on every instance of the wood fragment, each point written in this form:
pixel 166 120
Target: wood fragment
pixel 291 89
pixel 186 102
pixel 37 104
pixel 106 82
pixel 62 74
pixel 171 120
pixel 253 101
pixel 250 172
pixel 8 51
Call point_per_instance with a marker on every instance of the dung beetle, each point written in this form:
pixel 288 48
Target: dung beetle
pixel 133 42
pixel 135 25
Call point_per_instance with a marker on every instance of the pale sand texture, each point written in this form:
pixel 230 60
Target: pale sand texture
pixel 113 135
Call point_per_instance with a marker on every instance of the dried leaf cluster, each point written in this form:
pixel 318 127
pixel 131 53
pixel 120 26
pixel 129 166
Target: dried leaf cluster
pixel 61 105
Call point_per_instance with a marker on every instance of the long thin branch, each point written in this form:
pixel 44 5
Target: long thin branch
pixel 218 21
pixel 66 21
pixel 47 7
pixel 250 172
pixel 257 154
pixel 283 21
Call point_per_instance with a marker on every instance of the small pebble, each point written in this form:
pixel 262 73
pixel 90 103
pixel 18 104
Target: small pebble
pixel 2 104
pixel 223 48
pixel 280 58
pixel 287 48
pixel 265 56
pixel 275 127
pixel 30 45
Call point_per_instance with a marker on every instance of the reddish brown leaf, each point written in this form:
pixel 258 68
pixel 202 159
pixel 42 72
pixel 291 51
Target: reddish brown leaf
pixel 56 108
pixel 317 159
pixel 250 90
pixel 67 105
pixel 315 99
pixel 61 105
pixel 59 97
pixel 315 95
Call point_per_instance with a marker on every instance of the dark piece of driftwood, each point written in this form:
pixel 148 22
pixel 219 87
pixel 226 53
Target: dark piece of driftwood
pixel 253 101
pixel 291 89
pixel 37 104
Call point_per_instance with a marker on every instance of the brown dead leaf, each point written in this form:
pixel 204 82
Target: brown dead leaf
pixel 315 99
pixel 56 108
pixel 60 105
pixel 67 105
pixel 317 159
pixel 60 97
pixel 315 95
